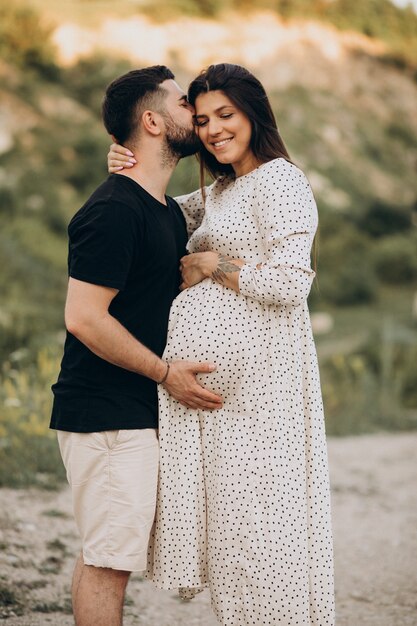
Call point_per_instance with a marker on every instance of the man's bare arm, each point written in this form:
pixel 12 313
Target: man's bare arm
pixel 87 317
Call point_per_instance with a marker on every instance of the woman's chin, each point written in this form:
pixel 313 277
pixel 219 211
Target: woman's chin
pixel 223 159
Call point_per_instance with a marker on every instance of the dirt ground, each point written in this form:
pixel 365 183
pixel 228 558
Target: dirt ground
pixel 374 484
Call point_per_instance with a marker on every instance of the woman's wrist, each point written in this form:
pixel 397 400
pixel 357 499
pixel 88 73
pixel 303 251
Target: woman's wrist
pixel 225 268
pixel 209 263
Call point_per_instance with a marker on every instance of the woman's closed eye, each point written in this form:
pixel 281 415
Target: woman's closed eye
pixel 203 122
pixel 199 122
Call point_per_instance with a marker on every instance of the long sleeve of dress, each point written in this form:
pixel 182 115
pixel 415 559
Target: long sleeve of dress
pixel 192 206
pixel 287 218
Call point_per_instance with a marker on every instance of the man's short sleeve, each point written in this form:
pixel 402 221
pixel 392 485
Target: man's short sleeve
pixel 103 240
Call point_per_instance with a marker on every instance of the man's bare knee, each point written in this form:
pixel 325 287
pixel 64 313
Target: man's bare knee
pixel 106 574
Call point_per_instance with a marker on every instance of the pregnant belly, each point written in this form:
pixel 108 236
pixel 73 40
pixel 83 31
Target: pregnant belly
pixel 212 323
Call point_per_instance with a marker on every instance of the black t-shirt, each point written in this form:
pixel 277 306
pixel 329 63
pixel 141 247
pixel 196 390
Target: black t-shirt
pixel 125 239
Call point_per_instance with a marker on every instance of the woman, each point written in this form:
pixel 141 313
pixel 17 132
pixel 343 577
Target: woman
pixel 244 493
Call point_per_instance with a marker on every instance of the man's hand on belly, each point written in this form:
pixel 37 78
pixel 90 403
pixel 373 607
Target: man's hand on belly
pixel 181 384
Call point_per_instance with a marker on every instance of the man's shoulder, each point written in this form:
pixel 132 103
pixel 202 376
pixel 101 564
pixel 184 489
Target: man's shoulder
pixel 173 203
pixel 112 196
pixel 116 190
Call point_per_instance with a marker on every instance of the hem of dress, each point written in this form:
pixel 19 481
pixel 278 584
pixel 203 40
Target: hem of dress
pixel 176 587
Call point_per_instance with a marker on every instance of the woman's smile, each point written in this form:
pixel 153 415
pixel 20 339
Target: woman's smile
pixel 221 143
pixel 225 131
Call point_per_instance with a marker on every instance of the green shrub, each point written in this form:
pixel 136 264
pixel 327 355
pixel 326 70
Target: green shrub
pixel 29 453
pixel 396 259
pixel 25 38
pixel 32 284
pixel 373 388
pixel 383 219
pixel 168 9
pixel 346 273
pixel 88 78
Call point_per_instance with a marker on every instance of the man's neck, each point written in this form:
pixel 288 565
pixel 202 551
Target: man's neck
pixel 152 171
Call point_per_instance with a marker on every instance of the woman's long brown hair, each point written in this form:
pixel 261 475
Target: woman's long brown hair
pixel 248 95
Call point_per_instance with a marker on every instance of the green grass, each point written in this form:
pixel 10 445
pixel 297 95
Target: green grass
pixel 367 365
pixel 29 453
pixel 367 360
pixel 11 600
pixel 54 607
pixel 392 304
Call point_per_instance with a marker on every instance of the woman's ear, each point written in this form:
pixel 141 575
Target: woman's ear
pixel 152 122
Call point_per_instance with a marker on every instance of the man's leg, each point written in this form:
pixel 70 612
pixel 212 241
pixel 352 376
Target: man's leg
pixel 113 477
pixel 98 595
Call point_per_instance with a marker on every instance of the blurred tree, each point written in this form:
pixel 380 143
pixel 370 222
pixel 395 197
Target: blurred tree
pixel 383 219
pixel 396 259
pixel 25 38
pixel 168 9
pixel 347 274
pixel 89 77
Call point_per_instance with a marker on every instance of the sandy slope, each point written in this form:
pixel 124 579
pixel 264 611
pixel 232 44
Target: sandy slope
pixel 374 482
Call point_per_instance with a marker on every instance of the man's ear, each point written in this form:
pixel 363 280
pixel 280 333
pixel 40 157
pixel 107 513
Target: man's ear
pixel 152 122
pixel 114 139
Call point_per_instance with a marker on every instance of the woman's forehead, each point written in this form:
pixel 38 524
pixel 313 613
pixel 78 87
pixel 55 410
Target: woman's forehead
pixel 211 101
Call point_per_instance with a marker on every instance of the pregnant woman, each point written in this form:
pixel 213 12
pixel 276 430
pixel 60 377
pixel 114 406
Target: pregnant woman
pixel 243 491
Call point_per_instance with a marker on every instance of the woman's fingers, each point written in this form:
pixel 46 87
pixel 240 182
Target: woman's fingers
pixel 116 147
pixel 117 158
pixel 118 163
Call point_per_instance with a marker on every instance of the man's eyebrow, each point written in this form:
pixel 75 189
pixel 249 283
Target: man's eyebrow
pixel 225 106
pixel 183 98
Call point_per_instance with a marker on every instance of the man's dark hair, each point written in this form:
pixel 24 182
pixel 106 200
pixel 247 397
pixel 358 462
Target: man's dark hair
pixel 129 96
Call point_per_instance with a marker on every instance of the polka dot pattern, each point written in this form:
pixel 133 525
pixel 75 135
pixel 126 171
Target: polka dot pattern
pixel 244 491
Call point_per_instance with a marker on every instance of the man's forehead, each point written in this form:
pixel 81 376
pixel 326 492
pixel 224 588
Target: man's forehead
pixel 172 87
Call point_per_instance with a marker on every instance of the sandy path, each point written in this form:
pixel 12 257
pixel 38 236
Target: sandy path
pixel 374 481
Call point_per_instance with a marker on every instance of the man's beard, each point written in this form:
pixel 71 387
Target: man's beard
pixel 180 141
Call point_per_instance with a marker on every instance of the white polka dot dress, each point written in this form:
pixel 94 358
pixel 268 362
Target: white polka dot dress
pixel 243 503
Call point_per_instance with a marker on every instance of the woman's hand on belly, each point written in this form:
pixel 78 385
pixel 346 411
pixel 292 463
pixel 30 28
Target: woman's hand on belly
pixel 200 265
pixel 181 384
pixel 195 268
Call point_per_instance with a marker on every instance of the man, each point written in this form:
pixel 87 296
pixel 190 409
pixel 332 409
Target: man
pixel 125 246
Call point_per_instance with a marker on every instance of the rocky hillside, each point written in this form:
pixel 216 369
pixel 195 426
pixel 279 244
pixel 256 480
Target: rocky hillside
pixel 348 116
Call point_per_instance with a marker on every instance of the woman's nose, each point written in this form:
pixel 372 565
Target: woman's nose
pixel 214 126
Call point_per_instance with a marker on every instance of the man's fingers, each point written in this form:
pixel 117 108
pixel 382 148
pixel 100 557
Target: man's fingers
pixel 207 396
pixel 192 405
pixel 202 405
pixel 204 367
pixel 209 406
pixel 195 401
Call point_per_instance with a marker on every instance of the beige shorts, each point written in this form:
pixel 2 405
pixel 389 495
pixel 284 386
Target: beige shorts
pixel 113 476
